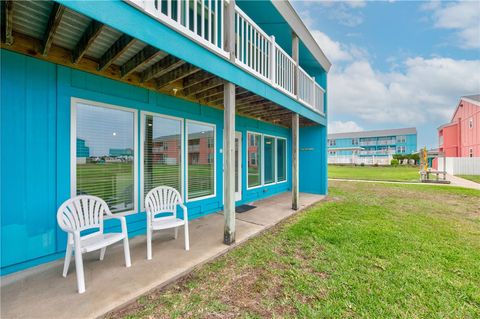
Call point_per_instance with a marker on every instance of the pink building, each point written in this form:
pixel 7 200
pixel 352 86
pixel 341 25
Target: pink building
pixel 461 137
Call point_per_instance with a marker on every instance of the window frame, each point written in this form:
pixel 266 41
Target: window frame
pixel 73 147
pixel 143 115
pixel 470 152
pixel 470 123
pixel 274 159
pixel 187 122
pixel 261 157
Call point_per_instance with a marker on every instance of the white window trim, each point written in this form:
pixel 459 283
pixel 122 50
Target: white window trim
pixel 262 142
pixel 143 115
pixel 274 159
pixel 214 161
pixel 246 155
pixel 286 160
pixel 73 147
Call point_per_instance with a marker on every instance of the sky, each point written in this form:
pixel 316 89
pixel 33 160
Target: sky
pixel 396 63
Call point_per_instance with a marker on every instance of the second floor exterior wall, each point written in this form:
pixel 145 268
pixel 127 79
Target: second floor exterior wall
pixel 461 137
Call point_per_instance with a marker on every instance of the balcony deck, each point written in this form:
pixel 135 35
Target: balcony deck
pixel 79 41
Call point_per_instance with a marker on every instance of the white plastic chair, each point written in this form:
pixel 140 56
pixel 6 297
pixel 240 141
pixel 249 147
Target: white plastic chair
pixel 83 213
pixel 164 200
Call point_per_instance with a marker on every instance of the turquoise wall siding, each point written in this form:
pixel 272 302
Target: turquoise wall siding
pixel 35 167
pixel 313 159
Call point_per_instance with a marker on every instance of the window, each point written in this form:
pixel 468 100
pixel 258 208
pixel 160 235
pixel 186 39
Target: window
pixel 332 142
pixel 201 160
pixel 400 149
pixel 470 123
pixel 354 141
pixel 332 153
pixel 401 139
pixel 104 153
pixel 254 154
pixel 470 152
pixel 269 159
pixel 162 152
pixel 281 160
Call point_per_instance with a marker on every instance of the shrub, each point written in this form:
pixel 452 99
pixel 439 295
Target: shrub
pixel 362 164
pixel 394 162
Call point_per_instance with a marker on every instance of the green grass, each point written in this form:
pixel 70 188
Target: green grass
pixel 370 251
pixel 380 173
pixel 473 178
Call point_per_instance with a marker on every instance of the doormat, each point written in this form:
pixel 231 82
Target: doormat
pixel 244 208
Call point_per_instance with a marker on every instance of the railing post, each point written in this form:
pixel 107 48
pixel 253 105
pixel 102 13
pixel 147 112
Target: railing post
pixel 314 91
pixel 272 60
pixel 229 28
pixel 295 56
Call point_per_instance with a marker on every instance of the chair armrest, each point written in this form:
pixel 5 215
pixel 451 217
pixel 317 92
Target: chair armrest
pixel 185 212
pixel 122 219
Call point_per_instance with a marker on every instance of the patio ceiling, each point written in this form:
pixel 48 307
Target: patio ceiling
pixel 52 32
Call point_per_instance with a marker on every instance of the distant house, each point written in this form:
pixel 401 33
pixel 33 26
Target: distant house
pixel 371 147
pixel 115 152
pixel 461 136
pixel 83 151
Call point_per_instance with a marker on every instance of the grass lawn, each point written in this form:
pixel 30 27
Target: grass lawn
pixel 473 178
pixel 369 251
pixel 380 173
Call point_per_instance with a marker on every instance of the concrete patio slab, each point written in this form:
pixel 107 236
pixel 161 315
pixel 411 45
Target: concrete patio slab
pixel 44 293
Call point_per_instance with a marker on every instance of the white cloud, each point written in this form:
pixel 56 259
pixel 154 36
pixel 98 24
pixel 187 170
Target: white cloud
pixel 343 127
pixel 425 91
pixel 332 49
pixel 463 17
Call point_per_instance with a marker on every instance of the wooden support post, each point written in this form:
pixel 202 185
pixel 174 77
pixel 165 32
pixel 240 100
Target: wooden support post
pixel 229 163
pixel 229 133
pixel 52 26
pixel 7 22
pixel 295 56
pixel 295 166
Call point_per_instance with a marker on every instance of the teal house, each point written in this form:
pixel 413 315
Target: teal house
pixel 223 100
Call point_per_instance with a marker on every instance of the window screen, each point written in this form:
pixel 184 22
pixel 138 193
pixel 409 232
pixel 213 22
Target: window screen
pixel 162 153
pixel 254 160
pixel 105 155
pixel 282 160
pixel 269 159
pixel 201 160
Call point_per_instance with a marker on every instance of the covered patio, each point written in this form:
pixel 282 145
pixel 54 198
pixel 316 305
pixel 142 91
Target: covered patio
pixel 42 292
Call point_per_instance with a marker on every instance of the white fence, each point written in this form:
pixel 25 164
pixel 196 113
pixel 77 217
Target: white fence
pixel 255 51
pixel 460 165
pixel 358 160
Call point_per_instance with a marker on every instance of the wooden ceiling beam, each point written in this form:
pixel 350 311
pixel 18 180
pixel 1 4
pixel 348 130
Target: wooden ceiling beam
pixel 88 37
pixel 7 22
pixel 177 74
pixel 53 22
pixel 212 92
pixel 202 86
pixel 142 57
pixel 217 98
pixel 165 65
pixel 116 50
pixel 196 78
pixel 253 103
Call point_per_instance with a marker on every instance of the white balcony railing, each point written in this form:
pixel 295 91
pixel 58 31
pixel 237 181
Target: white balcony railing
pixel 255 51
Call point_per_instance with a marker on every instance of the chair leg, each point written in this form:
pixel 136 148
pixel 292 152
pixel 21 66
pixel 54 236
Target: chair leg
pixel 79 269
pixel 102 252
pixel 68 257
pixel 176 232
pixel 187 239
pixel 149 243
pixel 126 250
